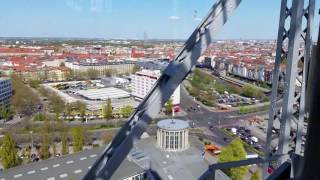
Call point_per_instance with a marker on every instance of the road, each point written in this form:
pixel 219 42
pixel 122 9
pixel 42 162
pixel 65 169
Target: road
pixel 72 166
pixel 203 117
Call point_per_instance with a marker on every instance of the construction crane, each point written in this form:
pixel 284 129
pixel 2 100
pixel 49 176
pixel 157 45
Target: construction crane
pixel 288 47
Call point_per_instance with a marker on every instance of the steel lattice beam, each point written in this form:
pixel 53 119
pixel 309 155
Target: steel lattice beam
pixel 174 74
pixel 210 173
pixel 289 47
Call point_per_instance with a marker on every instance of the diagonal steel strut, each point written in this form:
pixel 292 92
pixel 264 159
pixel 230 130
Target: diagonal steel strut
pixel 112 156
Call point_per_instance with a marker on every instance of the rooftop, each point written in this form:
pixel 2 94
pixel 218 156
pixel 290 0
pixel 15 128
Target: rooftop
pixel 147 72
pixel 172 124
pixel 104 93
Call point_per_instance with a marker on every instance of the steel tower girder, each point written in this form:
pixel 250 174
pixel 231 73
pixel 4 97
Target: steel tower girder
pixel 174 74
pixel 288 47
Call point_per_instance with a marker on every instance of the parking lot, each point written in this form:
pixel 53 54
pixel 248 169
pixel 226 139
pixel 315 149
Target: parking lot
pixel 234 99
pixel 245 135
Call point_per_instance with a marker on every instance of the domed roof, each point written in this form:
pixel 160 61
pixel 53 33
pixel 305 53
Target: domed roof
pixel 172 124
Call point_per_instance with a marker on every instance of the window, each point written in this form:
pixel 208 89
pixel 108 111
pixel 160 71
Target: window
pixel 176 136
pixel 167 140
pixel 171 140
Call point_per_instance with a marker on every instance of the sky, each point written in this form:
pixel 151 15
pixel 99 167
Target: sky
pixel 133 19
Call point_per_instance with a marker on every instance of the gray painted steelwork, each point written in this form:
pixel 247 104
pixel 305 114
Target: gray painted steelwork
pixel 172 76
pixel 310 169
pixel 309 15
pixel 288 47
pixel 210 173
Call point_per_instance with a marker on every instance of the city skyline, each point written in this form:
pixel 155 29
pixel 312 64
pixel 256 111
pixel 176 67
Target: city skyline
pixel 108 19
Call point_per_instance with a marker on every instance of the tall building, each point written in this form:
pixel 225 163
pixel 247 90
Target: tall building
pixel 143 81
pixel 5 91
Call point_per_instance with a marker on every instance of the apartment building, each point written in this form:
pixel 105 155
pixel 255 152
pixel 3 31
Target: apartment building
pixel 121 67
pixel 5 91
pixel 143 81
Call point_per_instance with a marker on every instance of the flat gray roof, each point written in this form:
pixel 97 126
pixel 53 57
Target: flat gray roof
pixel 172 124
pixel 127 169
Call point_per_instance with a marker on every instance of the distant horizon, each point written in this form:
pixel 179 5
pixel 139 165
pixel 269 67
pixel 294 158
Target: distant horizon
pixel 122 39
pixel 134 19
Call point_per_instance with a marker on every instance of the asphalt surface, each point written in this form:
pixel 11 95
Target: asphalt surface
pixel 214 121
pixel 72 166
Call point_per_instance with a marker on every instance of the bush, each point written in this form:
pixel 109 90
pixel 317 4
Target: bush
pixel 39 117
pixel 35 83
pixel 251 91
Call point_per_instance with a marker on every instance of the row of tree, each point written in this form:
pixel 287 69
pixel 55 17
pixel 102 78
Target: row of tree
pixel 90 74
pixel 24 99
pixel 108 113
pixel 9 153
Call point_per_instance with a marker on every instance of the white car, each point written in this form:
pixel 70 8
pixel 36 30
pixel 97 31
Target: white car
pixel 254 139
pixel 234 130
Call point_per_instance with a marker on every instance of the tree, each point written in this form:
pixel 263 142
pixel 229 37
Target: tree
pixel 34 83
pixel 107 72
pixel 46 125
pixel 24 99
pixel 5 113
pixel 56 102
pixel 82 109
pixel 45 146
pixel 8 152
pixel 62 64
pixel 234 152
pixel 135 68
pixel 256 175
pixel 106 137
pixel 169 106
pixel 93 74
pixel 108 110
pixel 78 138
pixel 39 117
pixel 64 143
pixel 54 149
pixel 28 154
pixel 69 74
pixel 126 111
pixel 251 91
pixel 68 109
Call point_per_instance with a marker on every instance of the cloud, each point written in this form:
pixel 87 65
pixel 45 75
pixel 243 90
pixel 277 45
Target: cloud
pixel 197 19
pixel 174 17
pixel 74 5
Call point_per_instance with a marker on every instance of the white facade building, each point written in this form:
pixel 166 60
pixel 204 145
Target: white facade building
pixel 103 94
pixel 121 67
pixel 143 81
pixel 173 135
